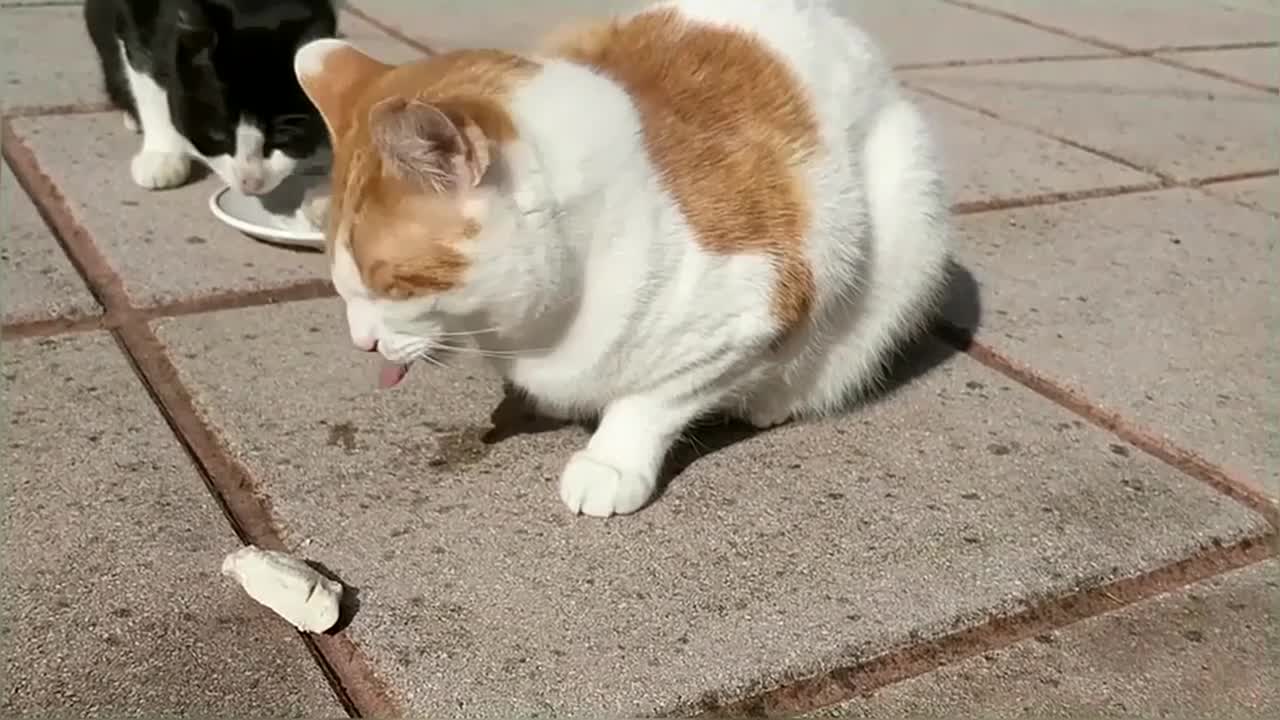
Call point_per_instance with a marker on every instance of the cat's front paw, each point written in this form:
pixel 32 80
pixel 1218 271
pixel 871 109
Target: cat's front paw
pixel 157 169
pixel 315 207
pixel 593 487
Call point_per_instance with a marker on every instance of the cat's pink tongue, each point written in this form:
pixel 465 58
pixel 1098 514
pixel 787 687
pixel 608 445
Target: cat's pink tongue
pixel 391 374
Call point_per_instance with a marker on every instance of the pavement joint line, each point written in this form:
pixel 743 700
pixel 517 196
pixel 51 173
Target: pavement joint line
pixel 1168 180
pixel 1242 490
pixel 1106 45
pixel 66 325
pixel 1164 180
pixel 46 4
pixel 22 111
pixel 248 512
pixel 390 30
pixel 1041 616
pixel 974 207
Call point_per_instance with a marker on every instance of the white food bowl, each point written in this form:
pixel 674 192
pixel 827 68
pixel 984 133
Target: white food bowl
pixel 275 217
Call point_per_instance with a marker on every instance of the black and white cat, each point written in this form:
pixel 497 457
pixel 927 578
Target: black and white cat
pixel 212 80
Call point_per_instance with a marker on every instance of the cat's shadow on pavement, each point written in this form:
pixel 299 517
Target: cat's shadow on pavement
pixel 961 316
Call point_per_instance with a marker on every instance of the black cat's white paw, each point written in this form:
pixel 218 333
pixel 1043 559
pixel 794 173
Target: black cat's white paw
pixel 158 169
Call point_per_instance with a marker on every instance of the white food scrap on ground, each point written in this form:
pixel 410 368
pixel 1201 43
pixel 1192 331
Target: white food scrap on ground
pixel 288 586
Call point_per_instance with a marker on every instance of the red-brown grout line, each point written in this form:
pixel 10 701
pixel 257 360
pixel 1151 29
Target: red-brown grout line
pixel 1240 489
pixel 68 109
pixel 389 29
pixel 1107 45
pixel 247 509
pixel 102 282
pixel 974 207
pixel 1086 57
pixel 235 299
pixel 26 329
pixel 1022 60
pixel 1168 180
pixel 1209 72
pixel 1210 47
pixel 1233 177
pixel 831 688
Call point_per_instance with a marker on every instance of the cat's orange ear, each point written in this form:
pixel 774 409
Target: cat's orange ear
pixel 421 144
pixel 332 73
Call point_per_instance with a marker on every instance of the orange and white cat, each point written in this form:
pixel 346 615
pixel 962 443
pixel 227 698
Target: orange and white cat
pixel 705 206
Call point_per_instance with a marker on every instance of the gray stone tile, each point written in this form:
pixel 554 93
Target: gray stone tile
pixel 37 282
pixel 1260 193
pixel 48 59
pixel 950 33
pixel 987 159
pixel 1261 66
pixel 166 245
pixel 821 544
pixel 113 602
pixel 374 41
pixel 1176 121
pixel 1206 651
pixel 928 31
pixel 1145 24
pixel 514 24
pixel 1160 306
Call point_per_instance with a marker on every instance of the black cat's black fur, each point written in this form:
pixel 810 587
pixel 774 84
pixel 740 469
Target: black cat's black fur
pixel 223 71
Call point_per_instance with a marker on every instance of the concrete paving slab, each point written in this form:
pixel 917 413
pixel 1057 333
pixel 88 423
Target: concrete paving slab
pixel 1156 305
pixel 1261 66
pixel 37 282
pixel 987 159
pixel 821 543
pixel 374 41
pixel 113 602
pixel 48 59
pixel 1181 123
pixel 1211 650
pixel 929 31
pixel 1260 193
pixel 950 33
pixel 1146 24
pixel 166 245
pixel 514 24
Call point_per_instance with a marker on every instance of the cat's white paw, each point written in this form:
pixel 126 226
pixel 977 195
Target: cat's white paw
pixel 315 207
pixel 129 123
pixel 156 169
pixel 595 488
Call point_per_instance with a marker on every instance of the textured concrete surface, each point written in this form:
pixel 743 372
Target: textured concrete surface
pixel 374 41
pixel 1174 289
pixel 445 24
pixel 930 31
pixel 166 245
pixel 113 605
pixel 913 31
pixel 826 544
pixel 36 280
pixel 1261 66
pixel 1260 193
pixel 1147 24
pixel 1175 121
pixel 47 58
pixel 987 159
pixel 1209 651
